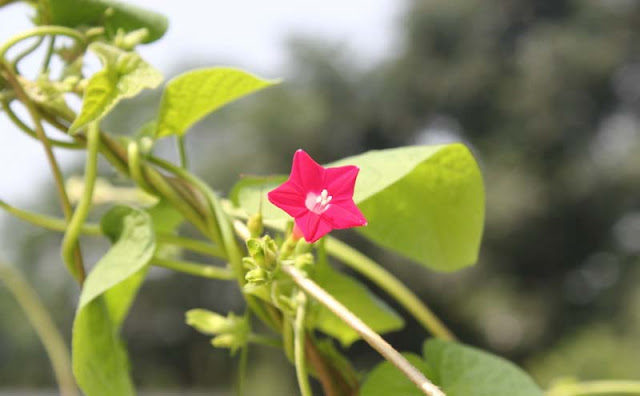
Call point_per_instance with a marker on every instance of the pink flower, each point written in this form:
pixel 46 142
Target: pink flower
pixel 319 199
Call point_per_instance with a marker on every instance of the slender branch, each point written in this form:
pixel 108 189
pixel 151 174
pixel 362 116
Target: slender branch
pixel 192 244
pixel 44 326
pixel 389 283
pixel 370 336
pixel 596 388
pixel 298 346
pixel 27 51
pixel 182 151
pixel 40 31
pixel 56 224
pixel 188 267
pixel 53 164
pixel 264 340
pixel 242 370
pixel 47 59
pixel 84 204
pixel 24 128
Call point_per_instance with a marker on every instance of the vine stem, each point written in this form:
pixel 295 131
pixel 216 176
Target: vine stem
pixel 55 224
pixel 70 239
pixel 385 280
pixel 298 346
pixel 182 151
pixel 78 271
pixel 201 270
pixel 596 388
pixel 40 31
pixel 44 326
pixel 370 336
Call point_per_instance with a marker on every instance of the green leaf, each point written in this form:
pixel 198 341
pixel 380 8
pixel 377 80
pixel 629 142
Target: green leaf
pixel 424 202
pixel 357 298
pixel 190 96
pixel 385 379
pixel 461 371
pixel 113 15
pixel 125 74
pixel 99 360
pixel 100 363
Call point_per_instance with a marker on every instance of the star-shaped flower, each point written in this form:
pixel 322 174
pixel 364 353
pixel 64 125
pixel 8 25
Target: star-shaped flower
pixel 319 199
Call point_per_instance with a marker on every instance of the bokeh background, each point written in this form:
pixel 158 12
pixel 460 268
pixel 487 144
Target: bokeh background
pixel 547 95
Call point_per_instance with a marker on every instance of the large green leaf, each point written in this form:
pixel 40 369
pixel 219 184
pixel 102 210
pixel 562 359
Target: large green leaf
pixel 192 95
pixel 74 13
pixel 125 74
pixel 99 360
pixel 462 371
pixel 357 298
pixel 385 379
pixel 424 202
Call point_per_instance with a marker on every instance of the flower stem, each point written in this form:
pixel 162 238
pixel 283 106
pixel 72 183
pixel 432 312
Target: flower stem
pixel 596 388
pixel 386 281
pixel 298 346
pixel 370 336
pixel 188 267
pixel 44 326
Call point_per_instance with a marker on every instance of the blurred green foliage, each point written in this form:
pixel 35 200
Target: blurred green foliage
pixel 546 93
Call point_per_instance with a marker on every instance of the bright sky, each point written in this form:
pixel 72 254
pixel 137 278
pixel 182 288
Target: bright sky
pixel 246 33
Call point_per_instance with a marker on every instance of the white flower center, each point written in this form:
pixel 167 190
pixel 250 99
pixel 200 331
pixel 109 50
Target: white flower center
pixel 318 203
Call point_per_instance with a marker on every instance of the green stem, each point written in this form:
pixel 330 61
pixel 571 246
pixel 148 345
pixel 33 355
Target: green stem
pixel 27 51
pixel 55 224
pixel 44 326
pixel 265 340
pixel 222 233
pixel 298 346
pixel 70 239
pixel 40 31
pixel 215 230
pixel 242 370
pixel 53 164
pixel 367 334
pixel 192 244
pixel 48 222
pixel 47 57
pixel 386 281
pixel 23 127
pixel 196 269
pixel 596 388
pixel 182 151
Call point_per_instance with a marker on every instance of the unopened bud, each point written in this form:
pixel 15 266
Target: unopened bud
pixel 255 225
pixel 258 276
pixel 208 322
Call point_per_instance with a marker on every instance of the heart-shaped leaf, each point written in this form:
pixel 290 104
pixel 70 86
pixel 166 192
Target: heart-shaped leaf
pixel 190 96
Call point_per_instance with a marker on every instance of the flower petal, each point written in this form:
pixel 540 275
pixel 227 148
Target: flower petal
pixel 340 181
pixel 306 173
pixel 313 226
pixel 288 198
pixel 344 214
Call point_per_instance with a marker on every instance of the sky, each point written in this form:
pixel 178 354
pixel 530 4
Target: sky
pixel 244 33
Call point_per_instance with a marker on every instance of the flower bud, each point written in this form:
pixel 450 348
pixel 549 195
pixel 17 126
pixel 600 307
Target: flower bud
pixel 258 276
pixel 208 322
pixel 255 225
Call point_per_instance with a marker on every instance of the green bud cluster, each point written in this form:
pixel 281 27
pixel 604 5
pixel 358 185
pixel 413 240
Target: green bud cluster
pixel 262 260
